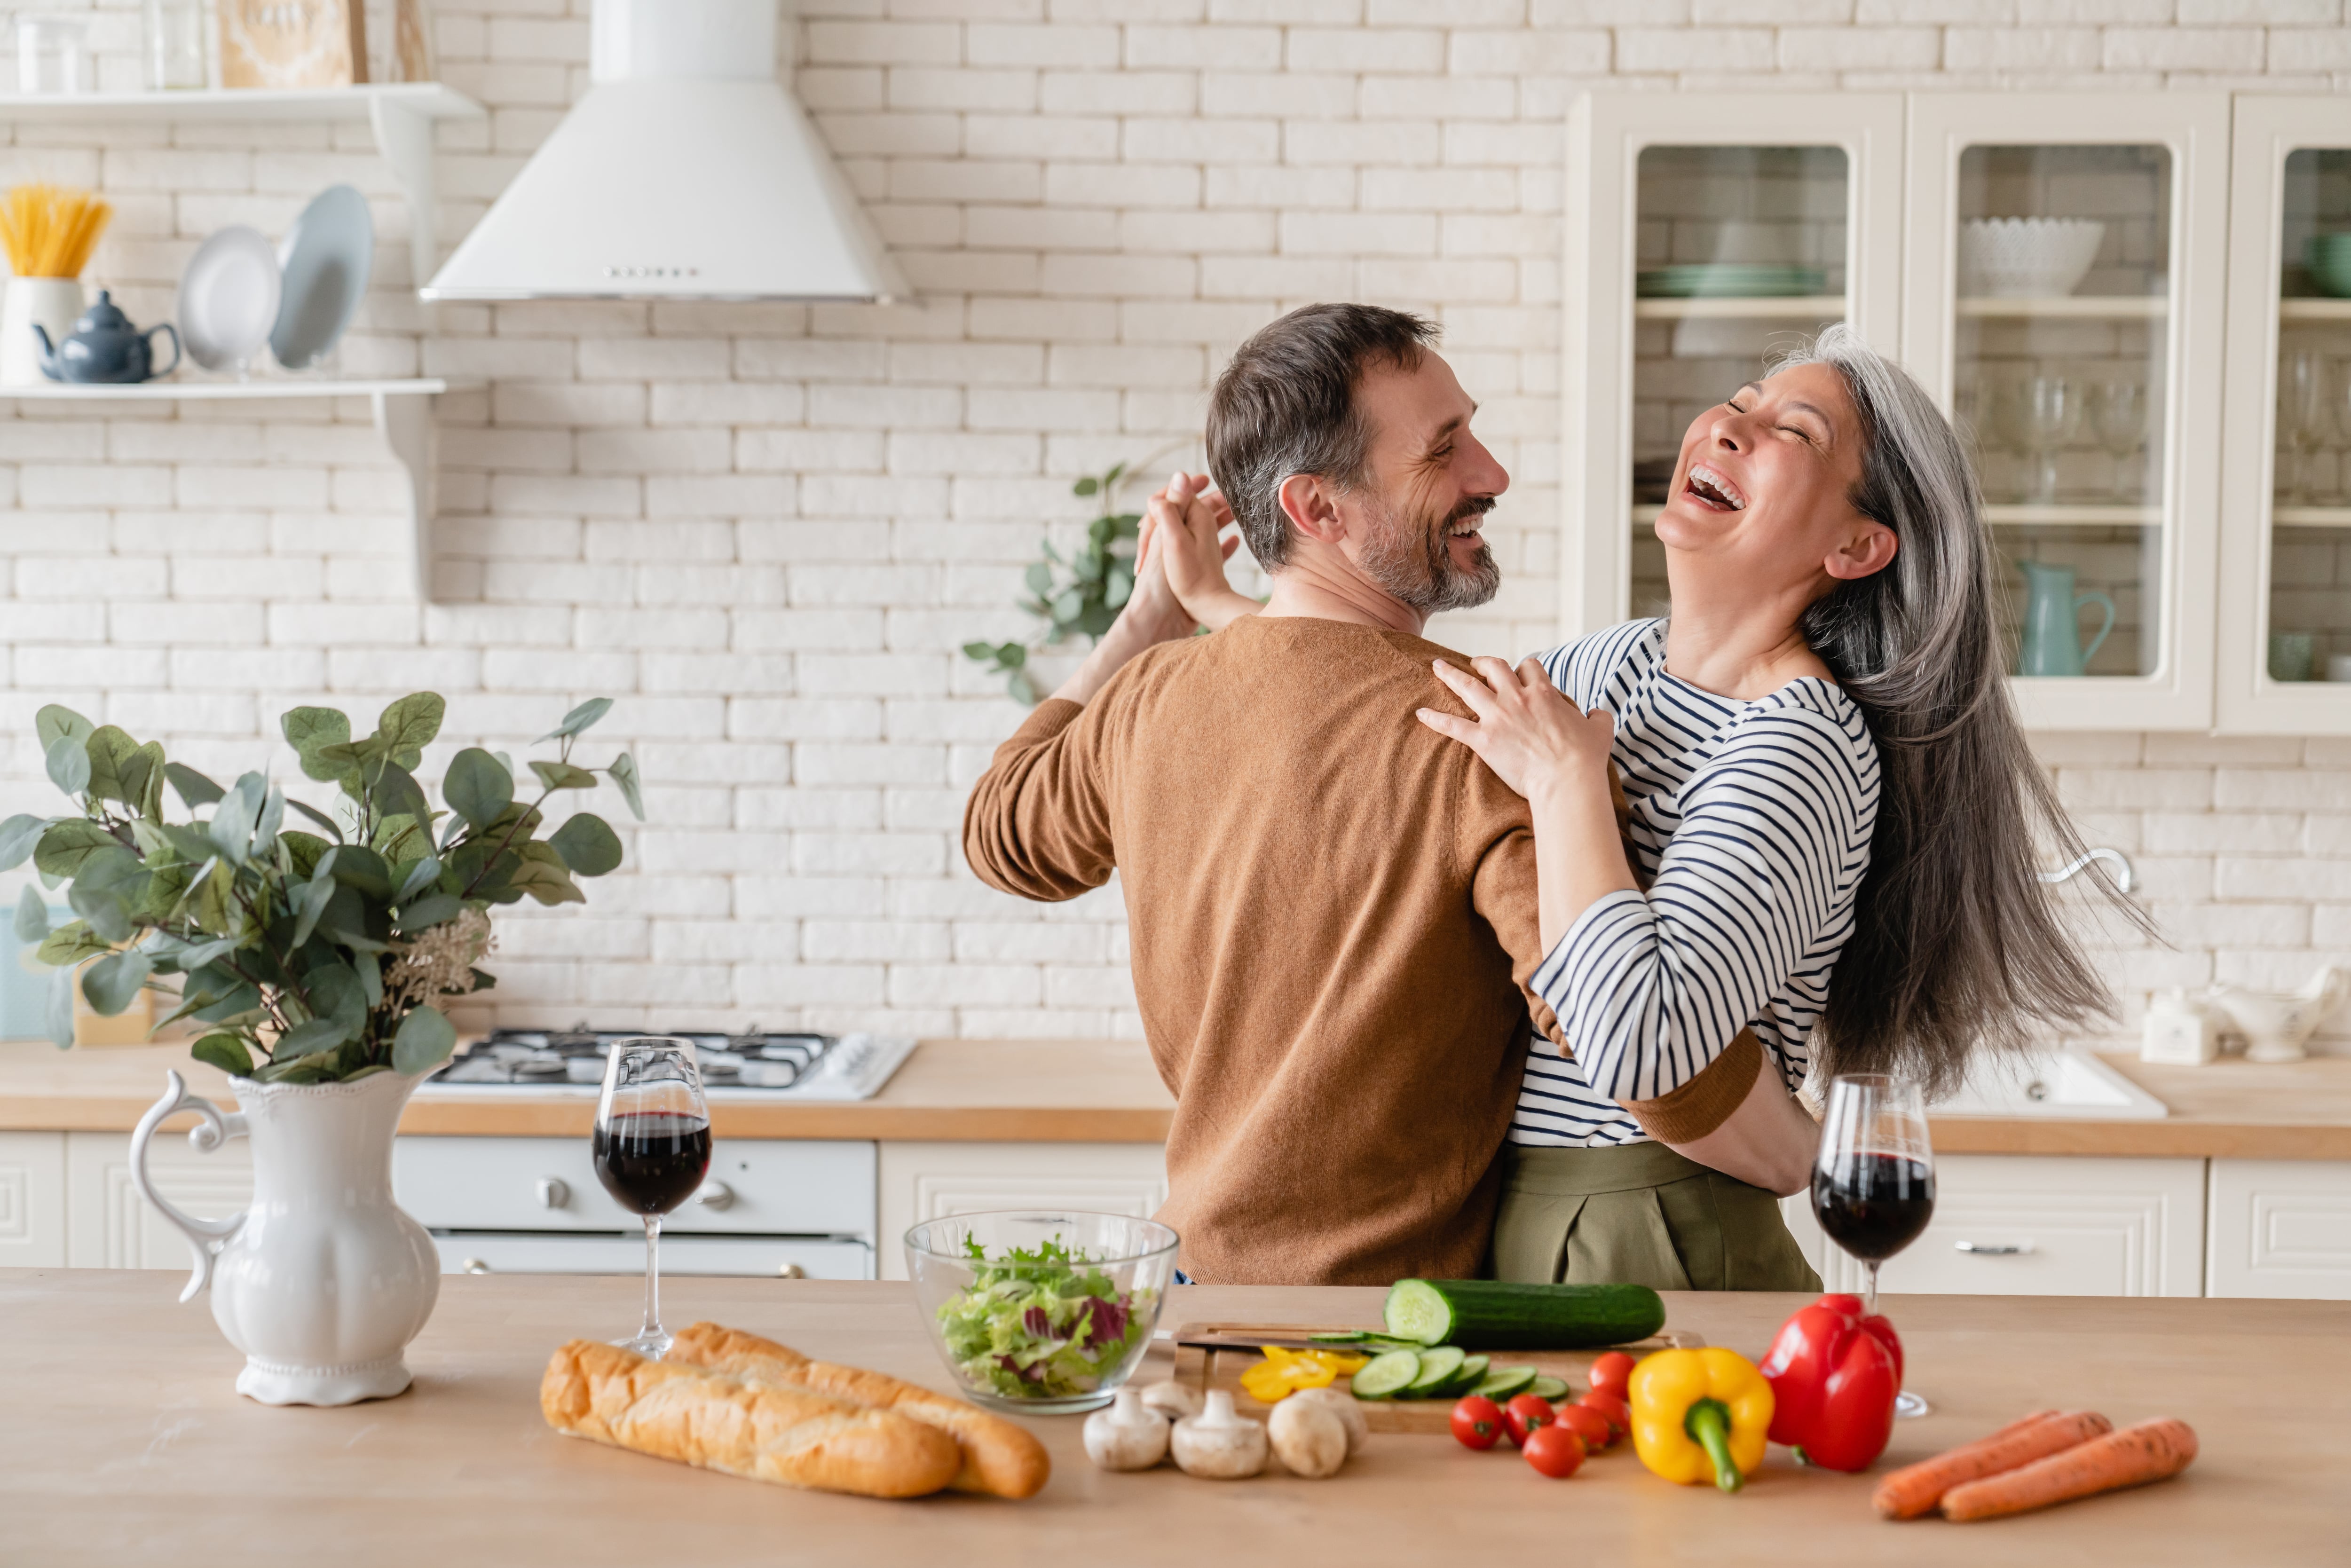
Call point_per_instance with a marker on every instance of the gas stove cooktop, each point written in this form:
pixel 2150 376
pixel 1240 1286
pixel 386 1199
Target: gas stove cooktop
pixel 754 1065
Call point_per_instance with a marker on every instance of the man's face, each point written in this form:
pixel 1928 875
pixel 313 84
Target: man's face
pixel 1431 483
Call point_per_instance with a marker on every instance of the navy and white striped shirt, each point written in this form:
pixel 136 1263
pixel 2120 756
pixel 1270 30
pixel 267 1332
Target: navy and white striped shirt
pixel 1753 819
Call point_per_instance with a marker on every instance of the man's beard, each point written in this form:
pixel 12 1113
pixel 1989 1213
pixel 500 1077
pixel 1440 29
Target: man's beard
pixel 1412 559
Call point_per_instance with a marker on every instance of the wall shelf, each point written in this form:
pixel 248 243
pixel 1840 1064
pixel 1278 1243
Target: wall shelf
pixel 1732 308
pixel 2312 517
pixel 2315 309
pixel 2072 306
pixel 401 114
pixel 2071 515
pixel 403 418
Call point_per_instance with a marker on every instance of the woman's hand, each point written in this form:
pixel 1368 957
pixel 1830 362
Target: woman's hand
pixel 1526 730
pixel 1152 614
pixel 1186 517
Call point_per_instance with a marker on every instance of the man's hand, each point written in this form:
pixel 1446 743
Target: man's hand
pixel 1533 738
pixel 1186 517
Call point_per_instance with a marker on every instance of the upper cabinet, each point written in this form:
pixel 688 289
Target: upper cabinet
pixel 2285 522
pixel 2078 279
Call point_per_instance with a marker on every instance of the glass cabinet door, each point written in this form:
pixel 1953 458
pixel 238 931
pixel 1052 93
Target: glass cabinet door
pixel 2285 611
pixel 2064 300
pixel 1703 236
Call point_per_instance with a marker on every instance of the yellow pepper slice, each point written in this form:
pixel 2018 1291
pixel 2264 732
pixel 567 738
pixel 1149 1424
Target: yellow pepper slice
pixel 1284 1372
pixel 1701 1416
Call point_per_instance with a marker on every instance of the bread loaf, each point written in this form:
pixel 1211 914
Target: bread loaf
pixel 999 1458
pixel 796 1436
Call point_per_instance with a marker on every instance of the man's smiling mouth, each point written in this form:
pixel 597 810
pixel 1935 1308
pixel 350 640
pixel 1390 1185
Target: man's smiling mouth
pixel 1711 488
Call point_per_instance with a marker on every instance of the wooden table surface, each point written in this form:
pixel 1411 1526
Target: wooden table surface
pixel 1107 1091
pixel 123 1442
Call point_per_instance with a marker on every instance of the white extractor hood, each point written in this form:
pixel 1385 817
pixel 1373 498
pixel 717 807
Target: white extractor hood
pixel 685 172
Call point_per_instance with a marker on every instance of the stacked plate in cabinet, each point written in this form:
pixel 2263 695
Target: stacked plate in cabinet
pixel 1728 279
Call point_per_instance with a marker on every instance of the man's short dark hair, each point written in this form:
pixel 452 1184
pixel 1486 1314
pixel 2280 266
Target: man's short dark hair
pixel 1285 404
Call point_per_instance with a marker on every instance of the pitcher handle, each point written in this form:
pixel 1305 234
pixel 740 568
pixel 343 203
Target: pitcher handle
pixel 205 1236
pixel 2095 598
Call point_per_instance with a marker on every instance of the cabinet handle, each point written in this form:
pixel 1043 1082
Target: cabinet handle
pixel 792 1271
pixel 554 1192
pixel 714 1195
pixel 2000 1250
pixel 476 1265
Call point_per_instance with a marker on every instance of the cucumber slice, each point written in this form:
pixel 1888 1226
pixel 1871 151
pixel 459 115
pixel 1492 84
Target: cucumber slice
pixel 1383 1377
pixel 1551 1388
pixel 1472 1373
pixel 1341 1336
pixel 1438 1367
pixel 1416 1309
pixel 1501 1383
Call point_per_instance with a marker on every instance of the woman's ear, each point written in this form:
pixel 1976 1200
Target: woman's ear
pixel 1312 508
pixel 1867 550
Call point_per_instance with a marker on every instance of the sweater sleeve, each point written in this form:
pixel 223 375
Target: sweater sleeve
pixel 1654 987
pixel 1038 823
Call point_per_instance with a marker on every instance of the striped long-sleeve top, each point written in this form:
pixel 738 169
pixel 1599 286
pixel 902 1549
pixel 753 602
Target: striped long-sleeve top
pixel 1752 820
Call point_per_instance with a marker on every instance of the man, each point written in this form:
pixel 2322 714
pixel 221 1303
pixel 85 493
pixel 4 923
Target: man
pixel 1333 908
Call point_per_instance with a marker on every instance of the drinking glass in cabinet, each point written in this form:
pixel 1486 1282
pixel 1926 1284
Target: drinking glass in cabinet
pixel 2305 420
pixel 2309 542
pixel 2121 423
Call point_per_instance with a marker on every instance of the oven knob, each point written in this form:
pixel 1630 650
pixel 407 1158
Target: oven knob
pixel 554 1192
pixel 476 1265
pixel 792 1271
pixel 714 1195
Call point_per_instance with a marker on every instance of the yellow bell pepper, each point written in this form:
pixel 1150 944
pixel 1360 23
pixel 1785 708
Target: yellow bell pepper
pixel 1701 1416
pixel 1284 1372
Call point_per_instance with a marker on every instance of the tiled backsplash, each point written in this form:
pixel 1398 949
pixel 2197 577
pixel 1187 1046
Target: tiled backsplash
pixel 766 530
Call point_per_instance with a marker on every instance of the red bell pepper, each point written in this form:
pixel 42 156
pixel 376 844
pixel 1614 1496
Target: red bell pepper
pixel 1834 1375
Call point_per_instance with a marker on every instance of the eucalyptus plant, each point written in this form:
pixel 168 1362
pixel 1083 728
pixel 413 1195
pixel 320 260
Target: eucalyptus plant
pixel 316 957
pixel 1078 596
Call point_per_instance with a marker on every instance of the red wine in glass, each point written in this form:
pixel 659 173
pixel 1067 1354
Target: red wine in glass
pixel 651 1161
pixel 1874 1179
pixel 651 1149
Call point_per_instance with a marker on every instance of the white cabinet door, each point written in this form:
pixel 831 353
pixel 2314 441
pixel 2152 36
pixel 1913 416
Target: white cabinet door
pixel 32 1200
pixel 2022 1225
pixel 110 1226
pixel 931 1181
pixel 2281 1228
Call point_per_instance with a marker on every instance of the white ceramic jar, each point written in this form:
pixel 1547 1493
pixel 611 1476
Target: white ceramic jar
pixel 323 1281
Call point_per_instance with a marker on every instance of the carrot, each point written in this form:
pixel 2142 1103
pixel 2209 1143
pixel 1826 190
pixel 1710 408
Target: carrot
pixel 2150 1451
pixel 1916 1489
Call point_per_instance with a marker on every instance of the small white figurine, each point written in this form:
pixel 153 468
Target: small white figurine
pixel 2180 1031
pixel 2277 1026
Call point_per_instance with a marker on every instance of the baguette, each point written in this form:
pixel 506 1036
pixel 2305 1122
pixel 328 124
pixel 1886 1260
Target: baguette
pixel 795 1437
pixel 999 1458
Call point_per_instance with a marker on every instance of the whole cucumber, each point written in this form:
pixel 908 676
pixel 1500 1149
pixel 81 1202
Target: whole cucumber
pixel 1494 1314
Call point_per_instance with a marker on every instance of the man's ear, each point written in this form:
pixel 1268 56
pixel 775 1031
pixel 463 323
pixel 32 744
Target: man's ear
pixel 1867 550
pixel 1311 505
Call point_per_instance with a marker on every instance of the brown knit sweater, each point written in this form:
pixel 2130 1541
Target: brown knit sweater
pixel 1332 913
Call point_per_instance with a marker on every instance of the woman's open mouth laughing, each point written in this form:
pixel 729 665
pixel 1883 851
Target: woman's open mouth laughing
pixel 1712 490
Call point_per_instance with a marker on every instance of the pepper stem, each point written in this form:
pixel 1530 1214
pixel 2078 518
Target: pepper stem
pixel 1709 1421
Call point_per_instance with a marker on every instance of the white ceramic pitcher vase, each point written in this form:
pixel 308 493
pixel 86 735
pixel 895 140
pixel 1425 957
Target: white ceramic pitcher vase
pixel 323 1281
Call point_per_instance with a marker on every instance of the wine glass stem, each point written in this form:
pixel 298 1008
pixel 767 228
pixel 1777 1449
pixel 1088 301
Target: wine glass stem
pixel 653 1278
pixel 1869 1291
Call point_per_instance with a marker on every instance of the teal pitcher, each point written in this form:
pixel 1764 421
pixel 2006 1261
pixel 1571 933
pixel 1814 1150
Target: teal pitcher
pixel 2053 621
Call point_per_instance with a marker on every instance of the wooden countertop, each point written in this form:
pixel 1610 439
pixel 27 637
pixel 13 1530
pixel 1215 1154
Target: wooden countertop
pixel 127 1444
pixel 1105 1092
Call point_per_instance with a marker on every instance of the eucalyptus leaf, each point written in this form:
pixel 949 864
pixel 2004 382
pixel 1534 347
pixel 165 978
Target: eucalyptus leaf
pixel 549 884
pixel 225 1051
pixel 335 992
pixel 112 754
pixel 370 969
pixel 421 875
pixel 624 775
pixel 320 818
pixel 103 909
pixel 409 725
pixel 310 901
pixel 113 982
pixel 309 1038
pixel 477 787
pixel 357 866
pixel 60 1020
pixel 193 788
pixel 54 723
pixel 309 731
pixel 70 841
pixel 578 719
pixel 423 1041
pixel 32 916
pixel 68 763
pixel 428 911
pixel 272 818
pixel 19 834
pixel 398 794
pixel 587 844
pixel 563 776
pixel 233 820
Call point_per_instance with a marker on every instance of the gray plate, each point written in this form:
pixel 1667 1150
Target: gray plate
pixel 325 259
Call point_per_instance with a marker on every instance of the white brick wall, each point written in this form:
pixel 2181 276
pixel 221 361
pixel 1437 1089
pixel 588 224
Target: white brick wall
pixel 765 529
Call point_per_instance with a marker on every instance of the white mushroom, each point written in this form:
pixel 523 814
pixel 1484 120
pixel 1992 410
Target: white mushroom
pixel 1219 1444
pixel 1311 1438
pixel 1127 1435
pixel 1173 1399
pixel 1346 1407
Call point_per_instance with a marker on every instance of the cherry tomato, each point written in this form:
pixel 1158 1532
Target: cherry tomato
pixel 1612 1371
pixel 1619 1414
pixel 1554 1451
pixel 1587 1423
pixel 1476 1423
pixel 1527 1413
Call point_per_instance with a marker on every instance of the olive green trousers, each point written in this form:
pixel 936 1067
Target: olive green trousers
pixel 1640 1215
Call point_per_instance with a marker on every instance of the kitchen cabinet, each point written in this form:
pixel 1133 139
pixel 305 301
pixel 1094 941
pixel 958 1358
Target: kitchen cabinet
pixel 2280 1228
pixel 2032 1225
pixel 2176 552
pixel 923 1181
pixel 32 1200
pixel 110 1226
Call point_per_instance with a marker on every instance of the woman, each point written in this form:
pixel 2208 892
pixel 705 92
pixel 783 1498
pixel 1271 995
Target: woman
pixel 1830 811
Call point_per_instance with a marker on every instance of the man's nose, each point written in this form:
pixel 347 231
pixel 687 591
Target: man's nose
pixel 1484 475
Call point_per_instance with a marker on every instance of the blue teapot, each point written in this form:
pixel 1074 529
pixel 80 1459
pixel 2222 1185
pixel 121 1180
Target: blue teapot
pixel 104 346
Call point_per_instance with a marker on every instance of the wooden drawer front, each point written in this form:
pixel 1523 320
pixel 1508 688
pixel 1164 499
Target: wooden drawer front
pixel 2078 1228
pixel 2281 1228
pixel 931 1181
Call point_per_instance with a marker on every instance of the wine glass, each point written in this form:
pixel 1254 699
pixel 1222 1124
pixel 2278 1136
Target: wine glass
pixel 2121 423
pixel 1874 1179
pixel 2303 417
pixel 652 1150
pixel 2048 412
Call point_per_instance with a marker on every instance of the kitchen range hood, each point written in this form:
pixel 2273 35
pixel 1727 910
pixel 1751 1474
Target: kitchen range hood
pixel 685 172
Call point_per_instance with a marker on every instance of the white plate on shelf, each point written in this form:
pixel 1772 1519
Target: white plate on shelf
pixel 228 298
pixel 325 262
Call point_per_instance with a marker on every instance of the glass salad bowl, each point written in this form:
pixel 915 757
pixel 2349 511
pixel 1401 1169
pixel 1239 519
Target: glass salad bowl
pixel 1041 1311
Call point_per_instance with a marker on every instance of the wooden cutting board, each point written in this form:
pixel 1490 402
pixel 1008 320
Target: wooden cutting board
pixel 1205 1367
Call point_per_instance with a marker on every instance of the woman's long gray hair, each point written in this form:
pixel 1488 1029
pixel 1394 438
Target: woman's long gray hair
pixel 1957 944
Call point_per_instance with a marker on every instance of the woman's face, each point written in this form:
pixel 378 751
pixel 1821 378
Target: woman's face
pixel 1765 482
